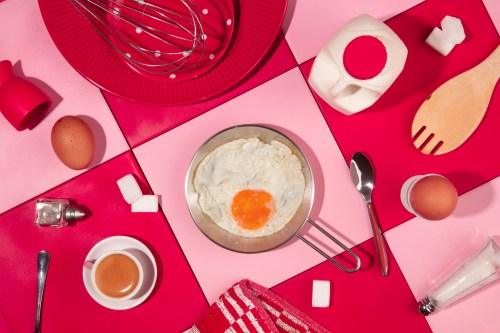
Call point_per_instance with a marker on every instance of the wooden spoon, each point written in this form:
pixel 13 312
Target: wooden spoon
pixel 453 111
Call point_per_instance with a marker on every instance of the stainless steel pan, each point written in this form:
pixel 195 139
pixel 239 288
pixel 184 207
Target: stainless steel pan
pixel 259 244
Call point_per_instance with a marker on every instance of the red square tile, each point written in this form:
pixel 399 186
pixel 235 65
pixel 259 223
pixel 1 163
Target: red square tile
pixel 383 131
pixel 176 301
pixel 359 302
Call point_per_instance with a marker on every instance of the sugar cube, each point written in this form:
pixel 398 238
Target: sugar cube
pixel 439 42
pixel 145 204
pixel 321 294
pixel 129 188
pixel 453 29
pixel 451 33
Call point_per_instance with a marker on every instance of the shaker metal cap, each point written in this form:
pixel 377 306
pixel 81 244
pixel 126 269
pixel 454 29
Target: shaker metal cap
pixel 426 307
pixel 72 213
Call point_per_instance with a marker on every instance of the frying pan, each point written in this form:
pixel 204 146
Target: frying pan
pixel 265 243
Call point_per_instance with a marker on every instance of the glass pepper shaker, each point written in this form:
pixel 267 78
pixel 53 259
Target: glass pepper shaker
pixel 57 213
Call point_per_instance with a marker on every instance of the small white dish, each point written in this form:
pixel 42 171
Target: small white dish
pixel 141 252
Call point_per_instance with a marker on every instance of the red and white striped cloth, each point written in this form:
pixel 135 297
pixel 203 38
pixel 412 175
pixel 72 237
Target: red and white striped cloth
pixel 248 307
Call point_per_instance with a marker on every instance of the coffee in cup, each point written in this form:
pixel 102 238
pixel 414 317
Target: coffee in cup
pixel 117 275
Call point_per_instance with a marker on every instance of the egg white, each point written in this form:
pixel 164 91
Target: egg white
pixel 250 164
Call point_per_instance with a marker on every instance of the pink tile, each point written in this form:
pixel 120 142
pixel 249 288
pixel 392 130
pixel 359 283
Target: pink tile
pixel 283 103
pixel 29 152
pixel 493 7
pixel 428 250
pixel 309 24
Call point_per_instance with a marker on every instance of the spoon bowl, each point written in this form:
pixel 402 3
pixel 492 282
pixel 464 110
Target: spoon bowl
pixel 362 175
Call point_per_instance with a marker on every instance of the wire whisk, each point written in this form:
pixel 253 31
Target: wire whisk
pixel 152 38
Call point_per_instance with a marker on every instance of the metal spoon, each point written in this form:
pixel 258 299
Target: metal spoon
pixel 363 177
pixel 43 265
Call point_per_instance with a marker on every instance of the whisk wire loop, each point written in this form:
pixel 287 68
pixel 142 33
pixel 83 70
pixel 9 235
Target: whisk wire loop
pixel 162 40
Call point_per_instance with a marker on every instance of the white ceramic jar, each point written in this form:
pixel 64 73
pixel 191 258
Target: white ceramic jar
pixel 333 83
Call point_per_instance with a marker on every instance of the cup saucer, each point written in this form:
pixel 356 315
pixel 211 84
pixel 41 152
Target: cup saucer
pixel 141 252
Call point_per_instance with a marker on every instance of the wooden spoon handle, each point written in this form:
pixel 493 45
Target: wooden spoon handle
pixel 490 67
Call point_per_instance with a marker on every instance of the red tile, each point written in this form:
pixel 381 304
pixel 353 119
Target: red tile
pixel 176 301
pixel 140 123
pixel 363 301
pixel 383 131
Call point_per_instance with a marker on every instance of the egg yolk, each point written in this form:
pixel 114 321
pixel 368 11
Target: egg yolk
pixel 252 208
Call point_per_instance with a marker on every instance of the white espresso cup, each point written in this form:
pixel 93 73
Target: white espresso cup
pixel 116 275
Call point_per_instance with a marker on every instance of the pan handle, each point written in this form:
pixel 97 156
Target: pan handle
pixel 317 249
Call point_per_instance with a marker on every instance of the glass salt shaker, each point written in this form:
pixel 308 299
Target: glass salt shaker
pixel 56 213
pixel 478 271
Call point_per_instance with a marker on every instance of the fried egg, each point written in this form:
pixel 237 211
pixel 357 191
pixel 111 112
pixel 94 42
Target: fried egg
pixel 250 188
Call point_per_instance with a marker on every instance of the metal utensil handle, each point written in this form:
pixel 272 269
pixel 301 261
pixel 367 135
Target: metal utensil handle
pixel 379 240
pixel 317 249
pixel 43 265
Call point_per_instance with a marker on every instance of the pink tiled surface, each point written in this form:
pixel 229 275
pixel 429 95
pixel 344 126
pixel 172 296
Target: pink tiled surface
pixel 157 143
pixel 337 205
pixel 306 39
pixel 493 8
pixel 30 152
pixel 426 251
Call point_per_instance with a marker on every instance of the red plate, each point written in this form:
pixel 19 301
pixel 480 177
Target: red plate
pixel 257 23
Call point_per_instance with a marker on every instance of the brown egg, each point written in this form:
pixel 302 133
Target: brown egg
pixel 433 197
pixel 73 142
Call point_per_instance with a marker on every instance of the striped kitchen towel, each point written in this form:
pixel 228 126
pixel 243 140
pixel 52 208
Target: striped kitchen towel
pixel 248 307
